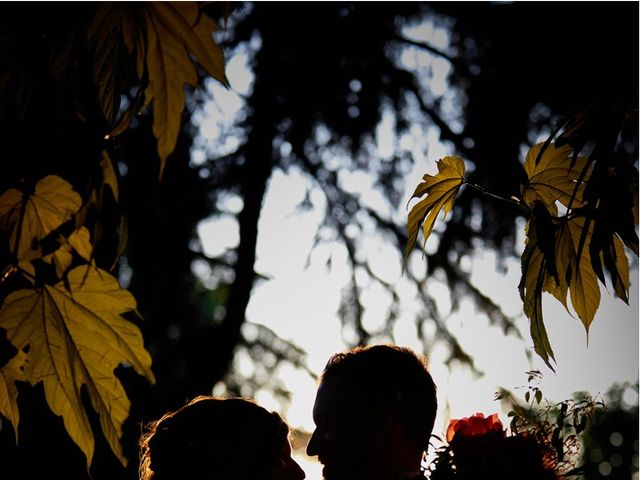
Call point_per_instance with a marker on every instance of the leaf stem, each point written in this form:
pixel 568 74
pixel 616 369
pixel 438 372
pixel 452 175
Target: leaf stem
pixel 484 191
pixel 7 272
pixel 10 270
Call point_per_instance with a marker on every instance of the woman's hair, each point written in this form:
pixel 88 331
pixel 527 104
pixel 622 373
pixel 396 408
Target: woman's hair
pixel 212 438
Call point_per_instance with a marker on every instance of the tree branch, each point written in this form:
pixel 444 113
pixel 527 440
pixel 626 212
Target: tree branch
pixel 445 131
pixel 430 48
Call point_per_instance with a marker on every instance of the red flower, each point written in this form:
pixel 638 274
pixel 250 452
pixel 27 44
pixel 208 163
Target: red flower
pixel 474 426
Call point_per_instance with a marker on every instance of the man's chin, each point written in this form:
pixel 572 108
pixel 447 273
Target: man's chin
pixel 329 473
pixel 335 473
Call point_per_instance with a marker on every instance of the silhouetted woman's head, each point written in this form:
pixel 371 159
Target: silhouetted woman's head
pixel 218 439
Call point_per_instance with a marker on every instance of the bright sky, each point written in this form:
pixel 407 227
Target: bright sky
pixel 301 304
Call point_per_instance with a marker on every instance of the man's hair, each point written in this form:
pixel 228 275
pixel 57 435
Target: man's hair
pixel 391 377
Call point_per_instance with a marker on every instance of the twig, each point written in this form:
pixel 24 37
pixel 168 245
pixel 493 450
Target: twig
pixel 428 47
pixel 484 191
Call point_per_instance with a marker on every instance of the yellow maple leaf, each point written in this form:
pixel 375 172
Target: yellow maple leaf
pixel 575 279
pixel 113 25
pixel 440 190
pixel 535 279
pixel 174 30
pixel 31 218
pixel 79 240
pixel 554 178
pixel 11 372
pixel 10 210
pixel 104 34
pixel 77 338
pixel 576 273
pixel 620 277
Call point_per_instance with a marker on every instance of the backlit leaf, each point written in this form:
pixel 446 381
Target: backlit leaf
pixel 11 372
pixel 98 204
pixel 30 218
pixel 440 190
pixel 545 231
pixel 576 271
pixel 195 29
pixel 79 241
pixel 109 176
pixel 554 178
pixel 77 338
pixel 10 207
pixel 114 35
pixel 104 37
pixel 575 280
pixel 620 274
pixel 532 284
pixel 174 31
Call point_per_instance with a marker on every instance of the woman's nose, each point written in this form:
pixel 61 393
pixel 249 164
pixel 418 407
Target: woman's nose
pixel 296 472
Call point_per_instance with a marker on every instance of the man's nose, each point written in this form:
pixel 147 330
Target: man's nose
pixel 312 445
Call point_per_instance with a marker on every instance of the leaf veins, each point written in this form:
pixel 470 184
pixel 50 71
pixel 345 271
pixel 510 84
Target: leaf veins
pixel 76 338
pixel 440 190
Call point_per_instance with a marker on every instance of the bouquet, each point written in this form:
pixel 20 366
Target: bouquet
pixel 542 443
pixel 479 447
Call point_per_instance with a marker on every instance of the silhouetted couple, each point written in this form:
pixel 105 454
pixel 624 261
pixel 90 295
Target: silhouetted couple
pixel 374 412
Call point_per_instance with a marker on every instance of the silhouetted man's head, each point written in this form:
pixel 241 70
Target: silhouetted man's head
pixel 374 413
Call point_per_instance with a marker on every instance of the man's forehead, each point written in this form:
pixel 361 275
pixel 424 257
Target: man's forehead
pixel 335 395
